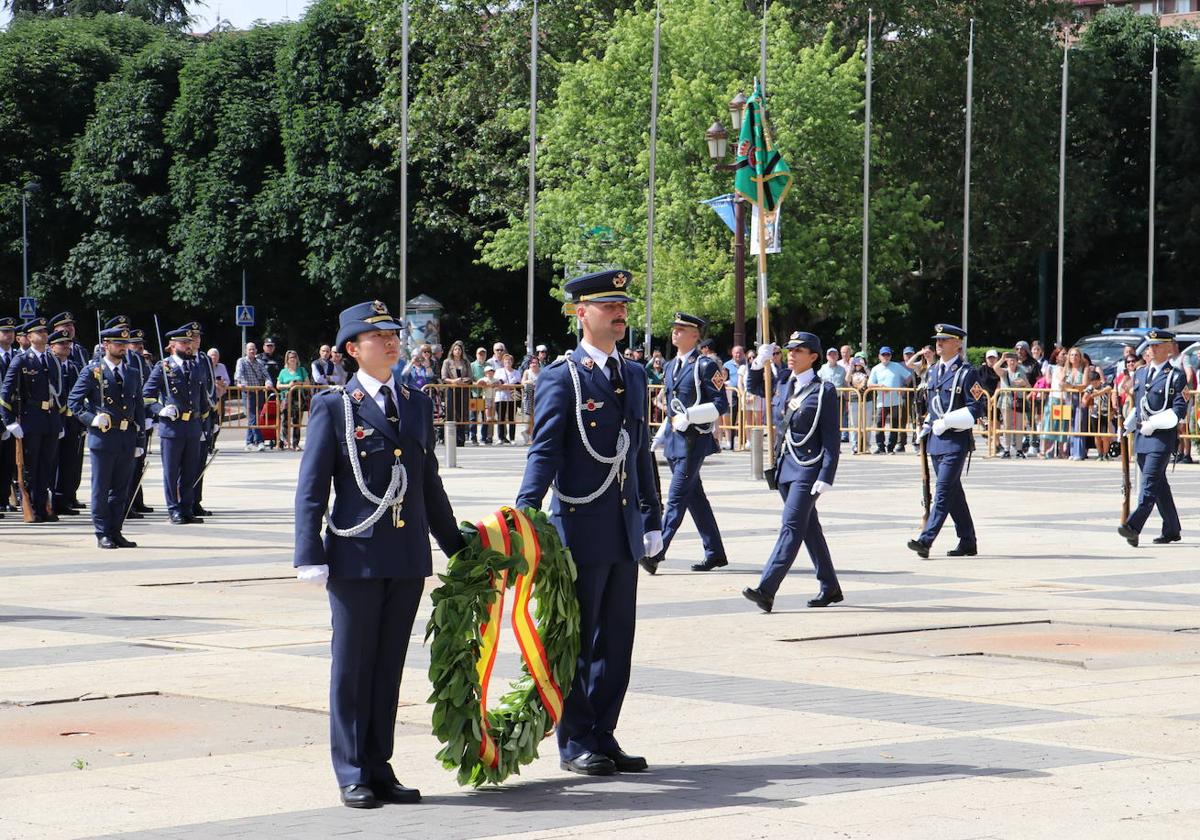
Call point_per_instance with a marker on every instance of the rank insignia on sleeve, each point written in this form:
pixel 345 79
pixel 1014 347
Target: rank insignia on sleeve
pixel 718 379
pixel 589 363
pixel 592 405
pixel 358 395
pixel 977 390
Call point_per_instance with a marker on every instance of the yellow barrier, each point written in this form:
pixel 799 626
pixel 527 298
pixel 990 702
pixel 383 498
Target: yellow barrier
pixel 1054 423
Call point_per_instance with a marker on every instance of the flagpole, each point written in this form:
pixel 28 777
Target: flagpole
pixel 1153 161
pixel 966 248
pixel 533 84
pixel 650 194
pixel 762 52
pixel 764 327
pixel 866 236
pixel 1062 189
pixel 403 180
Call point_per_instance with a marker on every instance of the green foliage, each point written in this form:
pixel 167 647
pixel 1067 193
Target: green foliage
pixel 593 166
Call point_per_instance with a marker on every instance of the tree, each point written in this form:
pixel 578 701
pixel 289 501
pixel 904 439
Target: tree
pixel 593 165
pixel 173 13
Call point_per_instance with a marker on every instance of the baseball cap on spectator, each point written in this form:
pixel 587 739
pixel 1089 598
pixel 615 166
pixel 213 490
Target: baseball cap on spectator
pixel 885 350
pixel 541 348
pixel 991 354
pixel 910 349
pixel 268 340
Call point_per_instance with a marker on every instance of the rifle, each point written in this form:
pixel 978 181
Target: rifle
pixel 26 502
pixel 926 491
pixel 1126 482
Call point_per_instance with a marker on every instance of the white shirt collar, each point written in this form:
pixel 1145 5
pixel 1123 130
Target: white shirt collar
pixel 599 356
pixel 109 363
pixel 372 385
pixel 802 379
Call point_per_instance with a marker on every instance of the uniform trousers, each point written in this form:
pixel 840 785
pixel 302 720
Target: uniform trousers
pixel 70 467
pixel 179 459
pixel 1156 492
pixel 111 469
pixel 949 499
pixel 372 623
pixel 686 494
pixel 40 452
pixel 800 525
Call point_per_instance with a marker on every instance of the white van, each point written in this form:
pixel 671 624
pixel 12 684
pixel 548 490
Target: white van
pixel 1166 318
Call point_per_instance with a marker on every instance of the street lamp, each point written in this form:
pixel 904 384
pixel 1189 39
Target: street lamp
pixel 31 188
pixel 718 147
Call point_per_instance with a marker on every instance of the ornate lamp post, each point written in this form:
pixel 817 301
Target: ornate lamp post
pixel 718 146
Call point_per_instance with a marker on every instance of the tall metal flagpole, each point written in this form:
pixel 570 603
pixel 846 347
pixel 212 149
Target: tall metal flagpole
pixel 404 177
pixel 533 87
pixel 1062 189
pixel 653 156
pixel 1153 161
pixel 866 246
pixel 762 53
pixel 966 252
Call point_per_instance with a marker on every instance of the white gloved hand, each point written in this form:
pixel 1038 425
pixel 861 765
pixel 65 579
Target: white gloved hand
pixel 960 420
pixel 939 427
pixel 922 432
pixel 149 423
pixel 138 452
pixel 15 430
pixel 102 421
pixel 169 411
pixel 652 543
pixel 660 439
pixel 62 433
pixel 765 352
pixel 679 422
pixel 312 574
pixel 1162 420
pixel 820 487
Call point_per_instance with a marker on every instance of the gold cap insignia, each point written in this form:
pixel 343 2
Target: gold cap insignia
pixel 124 333
pixel 379 307
pixel 619 281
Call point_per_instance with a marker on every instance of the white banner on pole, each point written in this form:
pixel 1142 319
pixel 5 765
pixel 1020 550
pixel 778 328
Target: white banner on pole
pixel 774 241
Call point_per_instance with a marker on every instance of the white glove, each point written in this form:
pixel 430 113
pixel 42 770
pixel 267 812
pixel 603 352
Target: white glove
pixel 939 427
pixel 652 543
pixel 660 439
pixel 1131 423
pixel 170 412
pixel 820 487
pixel 102 421
pixel 312 574
pixel 922 432
pixel 960 419
pixel 62 434
pixel 149 423
pixel 5 435
pixel 679 422
pixel 1160 421
pixel 16 431
pixel 703 414
pixel 138 452
pixel 765 353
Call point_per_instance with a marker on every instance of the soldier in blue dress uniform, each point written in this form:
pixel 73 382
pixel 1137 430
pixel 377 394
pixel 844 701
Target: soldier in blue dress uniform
pixel 208 418
pixel 107 399
pixel 807 445
pixel 374 442
pixel 174 395
pixel 590 444
pixel 66 495
pixel 956 400
pixel 134 358
pixel 25 407
pixel 60 366
pixel 1159 406
pixel 8 337
pixel 695 392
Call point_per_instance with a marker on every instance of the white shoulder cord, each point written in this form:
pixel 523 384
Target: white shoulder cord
pixel 791 444
pixel 678 407
pixel 392 497
pixel 617 461
pixel 1144 405
pixel 935 402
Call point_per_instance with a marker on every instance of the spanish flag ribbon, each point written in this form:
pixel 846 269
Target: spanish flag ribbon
pixel 495 532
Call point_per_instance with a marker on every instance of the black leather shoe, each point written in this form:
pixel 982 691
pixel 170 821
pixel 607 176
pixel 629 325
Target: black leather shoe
pixel 105 542
pixel 1130 535
pixel 133 514
pixel 626 763
pixel 199 511
pixel 1163 540
pixel 590 764
pixel 193 520
pixel 961 550
pixel 143 509
pixel 825 598
pixel 178 518
pixel 396 793
pixel 921 548
pixel 66 511
pixel 122 542
pixel 77 505
pixel 764 601
pixel 359 796
pixel 650 564
pixel 50 517
pixel 709 565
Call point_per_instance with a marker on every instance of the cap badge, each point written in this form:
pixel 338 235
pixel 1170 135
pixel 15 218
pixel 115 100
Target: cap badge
pixel 619 281
pixel 124 333
pixel 379 307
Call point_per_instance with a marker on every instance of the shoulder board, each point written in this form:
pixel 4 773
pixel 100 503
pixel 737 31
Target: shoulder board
pixel 556 363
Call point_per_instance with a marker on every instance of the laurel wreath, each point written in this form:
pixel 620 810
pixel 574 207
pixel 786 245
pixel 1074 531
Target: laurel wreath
pixel 460 605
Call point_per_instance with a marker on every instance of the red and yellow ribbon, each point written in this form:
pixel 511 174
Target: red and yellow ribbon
pixel 494 531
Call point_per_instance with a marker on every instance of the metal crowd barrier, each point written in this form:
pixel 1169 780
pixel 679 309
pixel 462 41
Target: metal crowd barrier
pixel 479 415
pixel 1054 423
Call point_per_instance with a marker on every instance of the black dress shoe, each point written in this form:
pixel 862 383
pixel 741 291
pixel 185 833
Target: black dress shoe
pixel 178 518
pixel 50 517
pixel 650 564
pixel 133 514
pixel 1130 535
pixel 709 565
pixel 961 550
pixel 921 548
pixel 764 601
pixel 193 520
pixel 1164 539
pixel 396 793
pixel 626 763
pixel 590 764
pixel 77 505
pixel 66 511
pixel 359 796
pixel 199 511
pixel 122 542
pixel 825 598
pixel 143 509
pixel 106 542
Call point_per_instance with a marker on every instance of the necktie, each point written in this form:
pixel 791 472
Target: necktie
pixel 389 405
pixel 614 376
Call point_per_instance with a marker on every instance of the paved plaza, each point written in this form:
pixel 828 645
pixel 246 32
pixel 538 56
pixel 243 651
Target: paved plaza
pixel 1049 687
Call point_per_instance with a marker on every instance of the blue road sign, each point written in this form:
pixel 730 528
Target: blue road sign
pixel 27 308
pixel 244 315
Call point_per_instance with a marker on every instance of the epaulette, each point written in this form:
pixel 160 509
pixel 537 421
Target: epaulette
pixel 557 363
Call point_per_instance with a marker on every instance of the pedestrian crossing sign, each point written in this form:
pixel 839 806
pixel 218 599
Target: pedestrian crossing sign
pixel 244 315
pixel 27 308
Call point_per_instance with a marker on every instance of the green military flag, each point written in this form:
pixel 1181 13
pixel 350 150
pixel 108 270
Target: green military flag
pixel 762 177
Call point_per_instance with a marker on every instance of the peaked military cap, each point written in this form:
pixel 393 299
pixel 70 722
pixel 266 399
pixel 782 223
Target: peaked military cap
pixel 189 330
pixel 807 340
pixel 59 337
pixel 8 323
pixel 117 321
pixel 61 319
pixel 364 317
pixel 600 287
pixel 33 324
pixel 137 335
pixel 948 331
pixel 117 334
pixel 1159 336
pixel 682 319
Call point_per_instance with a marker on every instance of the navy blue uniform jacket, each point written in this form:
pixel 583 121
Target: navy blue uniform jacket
pixel 119 402
pixel 826 440
pixel 682 387
pixel 955 385
pixel 1164 392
